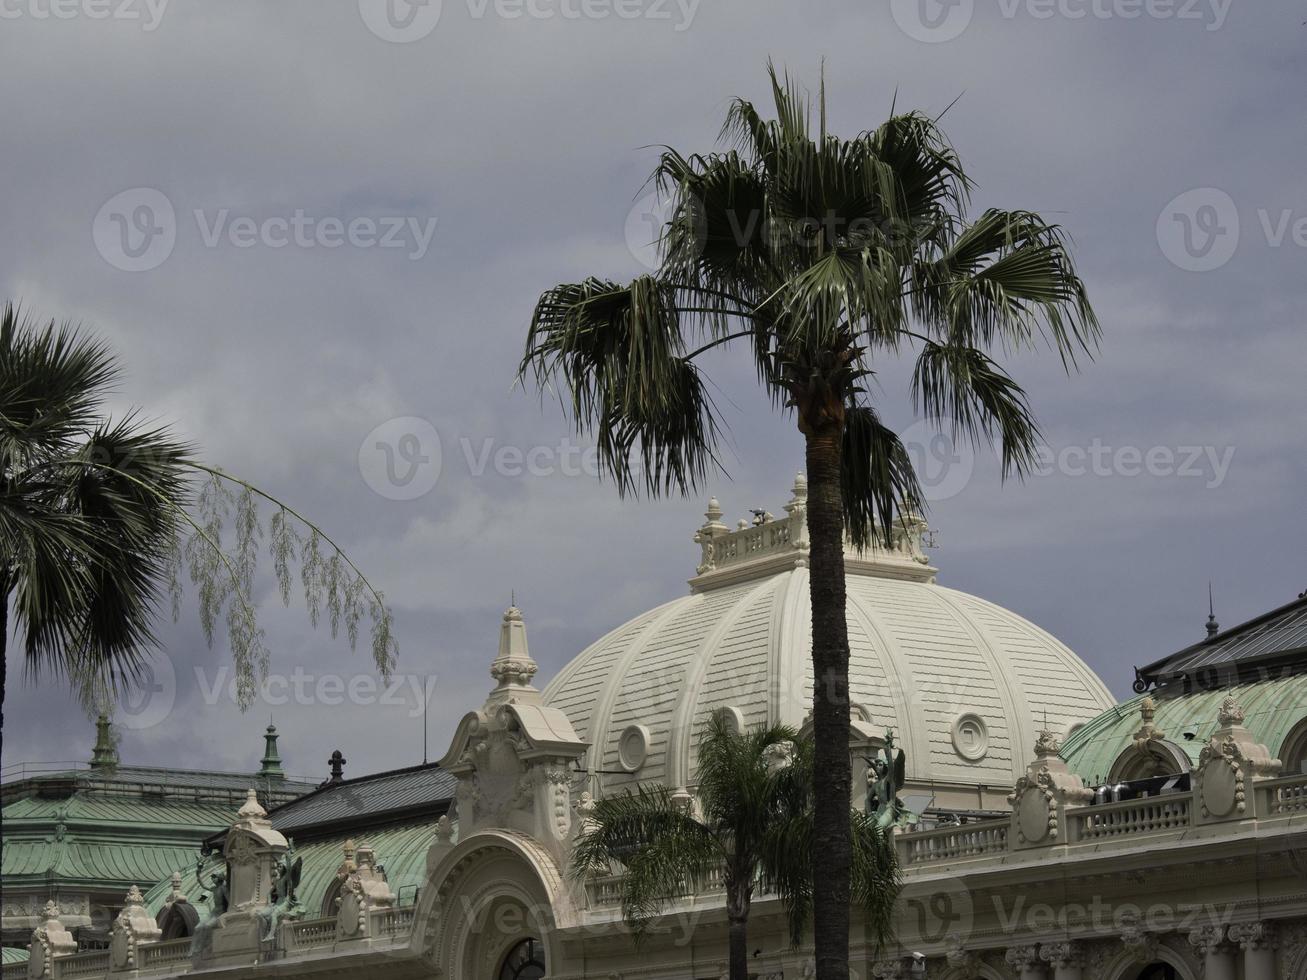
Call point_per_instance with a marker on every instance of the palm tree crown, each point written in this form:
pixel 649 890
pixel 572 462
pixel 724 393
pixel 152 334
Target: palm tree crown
pixel 750 823
pixel 87 505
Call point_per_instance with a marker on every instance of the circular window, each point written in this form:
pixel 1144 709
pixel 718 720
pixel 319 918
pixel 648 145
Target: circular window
pixel 970 737
pixel 525 961
pixel 633 747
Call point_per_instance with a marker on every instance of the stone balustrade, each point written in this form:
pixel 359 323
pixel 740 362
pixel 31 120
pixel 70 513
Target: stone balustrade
pixel 1132 818
pixel 953 843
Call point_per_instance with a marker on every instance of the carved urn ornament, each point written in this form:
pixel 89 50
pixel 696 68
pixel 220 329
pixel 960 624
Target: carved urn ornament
pixel 133 926
pixel 1229 762
pixel 50 940
pixel 1041 796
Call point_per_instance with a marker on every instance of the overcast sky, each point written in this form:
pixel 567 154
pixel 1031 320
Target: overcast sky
pixel 298 221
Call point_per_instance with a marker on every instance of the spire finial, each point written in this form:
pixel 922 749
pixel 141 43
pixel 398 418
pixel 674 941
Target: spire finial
pixel 513 668
pixel 270 764
pixel 104 755
pixel 1213 627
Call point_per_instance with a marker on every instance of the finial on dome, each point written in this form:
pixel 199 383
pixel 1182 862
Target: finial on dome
pixel 714 511
pixel 251 809
pixel 513 667
pixel 1213 627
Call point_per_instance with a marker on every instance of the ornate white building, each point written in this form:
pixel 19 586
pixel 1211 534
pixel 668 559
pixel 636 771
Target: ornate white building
pixel 1065 837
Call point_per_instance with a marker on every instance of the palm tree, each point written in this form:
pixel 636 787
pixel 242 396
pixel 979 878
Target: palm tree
pixel 819 255
pixel 91 519
pixel 87 506
pixel 753 824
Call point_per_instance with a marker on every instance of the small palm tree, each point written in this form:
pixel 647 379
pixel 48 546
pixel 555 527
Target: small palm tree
pixel 819 255
pixel 752 825
pixel 91 519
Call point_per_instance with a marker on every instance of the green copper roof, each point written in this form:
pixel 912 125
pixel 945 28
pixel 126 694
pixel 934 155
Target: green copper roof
pixel 104 841
pixel 400 848
pixel 1272 709
pixel 12 954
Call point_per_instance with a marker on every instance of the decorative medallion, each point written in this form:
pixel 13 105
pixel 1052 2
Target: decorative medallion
pixel 633 747
pixel 970 737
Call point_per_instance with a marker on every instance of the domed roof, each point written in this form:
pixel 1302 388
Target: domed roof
pixel 964 684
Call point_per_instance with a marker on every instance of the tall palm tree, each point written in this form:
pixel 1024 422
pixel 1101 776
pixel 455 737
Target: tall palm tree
pixel 87 506
pixel 91 515
pixel 819 255
pixel 752 822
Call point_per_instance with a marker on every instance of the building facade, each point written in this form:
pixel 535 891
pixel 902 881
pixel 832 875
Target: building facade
pixel 1063 836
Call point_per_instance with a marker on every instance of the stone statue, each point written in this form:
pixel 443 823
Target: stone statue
pixel 219 890
pixel 285 905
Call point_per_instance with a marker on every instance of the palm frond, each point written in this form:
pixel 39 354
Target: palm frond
pixel 619 357
pixel 1006 278
pixel 964 386
pixel 878 478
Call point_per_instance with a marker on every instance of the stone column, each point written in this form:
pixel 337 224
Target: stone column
pixel 1259 941
pixel 1066 959
pixel 1217 952
pixel 1026 961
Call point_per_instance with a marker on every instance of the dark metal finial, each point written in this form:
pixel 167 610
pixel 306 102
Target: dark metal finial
pixel 337 762
pixel 1213 627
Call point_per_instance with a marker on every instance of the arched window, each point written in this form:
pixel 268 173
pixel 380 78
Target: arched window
pixel 177 920
pixel 1159 971
pixel 1159 758
pixel 525 961
pixel 1293 753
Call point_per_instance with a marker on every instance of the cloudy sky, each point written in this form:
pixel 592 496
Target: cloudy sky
pixel 300 221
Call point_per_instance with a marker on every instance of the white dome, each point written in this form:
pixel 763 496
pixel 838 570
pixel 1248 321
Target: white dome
pixel 966 685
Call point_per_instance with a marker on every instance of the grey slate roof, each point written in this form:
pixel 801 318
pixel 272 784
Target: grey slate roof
pixel 1273 643
pixel 400 793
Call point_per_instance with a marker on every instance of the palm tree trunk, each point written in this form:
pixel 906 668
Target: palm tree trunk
pixel 832 779
pixel 737 916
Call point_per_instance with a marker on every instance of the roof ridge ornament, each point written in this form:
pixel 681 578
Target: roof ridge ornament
pixel 768 545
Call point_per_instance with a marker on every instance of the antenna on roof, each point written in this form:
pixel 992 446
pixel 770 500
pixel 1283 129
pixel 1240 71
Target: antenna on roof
pixel 1213 627
pixel 426 701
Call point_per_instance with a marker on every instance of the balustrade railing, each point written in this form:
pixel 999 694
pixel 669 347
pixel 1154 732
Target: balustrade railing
pixel 309 933
pixel 393 921
pixel 93 964
pixel 165 953
pixel 1130 817
pixel 953 843
pixel 1286 795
